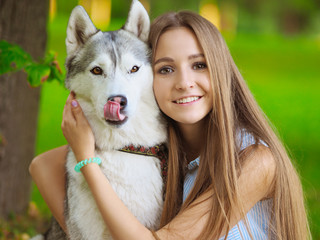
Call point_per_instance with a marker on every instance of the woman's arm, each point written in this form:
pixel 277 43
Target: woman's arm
pixel 255 183
pixel 48 172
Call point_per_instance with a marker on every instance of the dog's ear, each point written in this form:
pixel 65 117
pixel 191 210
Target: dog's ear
pixel 138 21
pixel 80 29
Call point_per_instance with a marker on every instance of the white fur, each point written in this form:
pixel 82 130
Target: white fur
pixel 137 182
pixel 135 178
pixel 38 237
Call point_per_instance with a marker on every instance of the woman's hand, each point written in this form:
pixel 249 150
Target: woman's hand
pixel 76 129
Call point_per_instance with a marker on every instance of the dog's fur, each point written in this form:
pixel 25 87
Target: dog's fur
pixel 135 178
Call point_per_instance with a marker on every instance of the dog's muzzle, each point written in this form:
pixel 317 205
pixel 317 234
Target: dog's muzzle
pixel 114 110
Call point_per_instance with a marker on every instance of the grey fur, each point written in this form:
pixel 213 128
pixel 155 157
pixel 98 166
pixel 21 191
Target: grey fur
pixel 135 178
pixel 55 232
pixel 112 43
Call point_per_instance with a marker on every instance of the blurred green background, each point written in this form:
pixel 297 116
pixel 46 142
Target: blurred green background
pixel 276 45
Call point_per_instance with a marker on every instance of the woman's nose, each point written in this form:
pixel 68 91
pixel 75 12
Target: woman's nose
pixel 184 80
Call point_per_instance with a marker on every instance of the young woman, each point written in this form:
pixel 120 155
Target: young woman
pixel 228 174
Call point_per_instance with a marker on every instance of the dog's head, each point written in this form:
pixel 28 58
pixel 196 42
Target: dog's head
pixel 110 72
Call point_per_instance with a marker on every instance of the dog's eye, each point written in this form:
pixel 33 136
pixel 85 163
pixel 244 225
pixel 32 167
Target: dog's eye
pixel 96 71
pixel 134 69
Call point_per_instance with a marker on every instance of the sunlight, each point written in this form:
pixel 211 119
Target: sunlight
pixel 99 11
pixel 211 12
pixel 52 9
pixel 146 4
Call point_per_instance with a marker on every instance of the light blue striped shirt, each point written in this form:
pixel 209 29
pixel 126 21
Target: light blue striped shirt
pixel 259 215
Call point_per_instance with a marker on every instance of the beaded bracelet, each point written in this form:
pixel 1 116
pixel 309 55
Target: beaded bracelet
pixel 87 161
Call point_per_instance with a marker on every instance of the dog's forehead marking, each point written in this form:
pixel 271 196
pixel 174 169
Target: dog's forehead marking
pixel 115 44
pixel 90 51
pixel 126 42
pixel 119 45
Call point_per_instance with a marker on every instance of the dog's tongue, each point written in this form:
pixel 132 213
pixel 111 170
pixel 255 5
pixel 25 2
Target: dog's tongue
pixel 112 111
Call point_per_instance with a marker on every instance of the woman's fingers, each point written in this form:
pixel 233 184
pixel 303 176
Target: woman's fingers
pixel 67 117
pixel 77 112
pixel 76 129
pixel 78 116
pixel 72 113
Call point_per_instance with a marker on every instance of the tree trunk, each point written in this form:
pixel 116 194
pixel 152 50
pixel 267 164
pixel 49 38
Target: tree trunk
pixel 22 22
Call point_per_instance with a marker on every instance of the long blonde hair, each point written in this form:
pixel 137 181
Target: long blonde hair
pixel 234 108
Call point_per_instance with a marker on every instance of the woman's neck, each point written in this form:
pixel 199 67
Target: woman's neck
pixel 193 138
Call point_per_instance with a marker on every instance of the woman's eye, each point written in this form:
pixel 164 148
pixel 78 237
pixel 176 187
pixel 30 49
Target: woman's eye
pixel 96 71
pixel 134 69
pixel 165 70
pixel 199 65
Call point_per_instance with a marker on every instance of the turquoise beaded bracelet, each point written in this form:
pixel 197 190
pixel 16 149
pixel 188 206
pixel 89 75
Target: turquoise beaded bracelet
pixel 87 161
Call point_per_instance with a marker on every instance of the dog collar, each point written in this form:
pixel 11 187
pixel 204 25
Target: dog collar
pixel 159 151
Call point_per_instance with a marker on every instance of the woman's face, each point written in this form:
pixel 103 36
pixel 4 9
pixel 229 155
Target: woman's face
pixel 181 77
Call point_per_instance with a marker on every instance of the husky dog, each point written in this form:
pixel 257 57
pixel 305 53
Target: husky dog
pixel 111 74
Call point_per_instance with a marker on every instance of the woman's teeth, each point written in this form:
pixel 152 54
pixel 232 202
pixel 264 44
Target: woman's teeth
pixel 187 100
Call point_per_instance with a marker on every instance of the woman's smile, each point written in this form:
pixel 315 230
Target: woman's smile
pixel 187 100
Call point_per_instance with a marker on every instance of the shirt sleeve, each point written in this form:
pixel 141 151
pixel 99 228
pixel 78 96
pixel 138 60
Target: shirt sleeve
pixel 246 139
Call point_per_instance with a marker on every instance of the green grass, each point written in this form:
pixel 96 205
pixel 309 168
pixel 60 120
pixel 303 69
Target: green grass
pixel 283 74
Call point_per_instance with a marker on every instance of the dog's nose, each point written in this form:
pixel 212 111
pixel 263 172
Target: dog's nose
pixel 122 100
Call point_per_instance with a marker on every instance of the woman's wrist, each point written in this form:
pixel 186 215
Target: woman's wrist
pixel 89 167
pixel 84 156
pixel 85 162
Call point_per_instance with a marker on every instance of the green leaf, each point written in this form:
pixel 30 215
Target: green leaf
pixel 12 57
pixel 37 74
pixel 56 72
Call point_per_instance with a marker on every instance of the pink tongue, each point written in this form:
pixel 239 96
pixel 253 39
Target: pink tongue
pixel 112 111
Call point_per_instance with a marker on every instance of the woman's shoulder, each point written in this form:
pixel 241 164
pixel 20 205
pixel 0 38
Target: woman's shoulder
pixel 49 158
pixel 258 171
